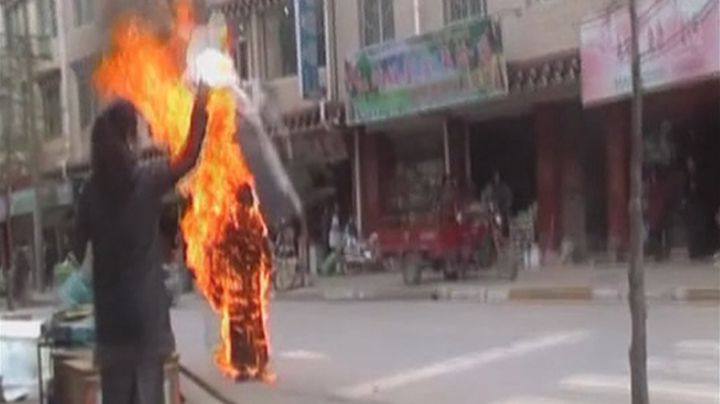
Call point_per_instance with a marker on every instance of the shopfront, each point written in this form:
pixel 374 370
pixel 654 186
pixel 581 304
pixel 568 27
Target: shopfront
pixel 401 97
pixel 680 44
pixel 530 128
pixel 56 202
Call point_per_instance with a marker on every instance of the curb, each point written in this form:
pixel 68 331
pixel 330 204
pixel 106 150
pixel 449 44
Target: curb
pixel 355 295
pixel 696 295
pixel 495 295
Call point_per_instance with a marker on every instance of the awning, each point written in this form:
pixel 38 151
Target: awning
pixel 242 8
pixel 22 202
pixel 538 74
pixel 319 148
pixel 316 117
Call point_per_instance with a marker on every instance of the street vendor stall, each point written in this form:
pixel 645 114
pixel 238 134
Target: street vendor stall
pixel 49 357
pixel 65 348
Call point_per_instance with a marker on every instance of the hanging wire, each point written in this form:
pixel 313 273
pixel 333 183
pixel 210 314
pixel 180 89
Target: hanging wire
pixel 677 36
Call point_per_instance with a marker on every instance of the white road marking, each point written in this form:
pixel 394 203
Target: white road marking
pixel 462 363
pixel 535 400
pixel 303 355
pixel 659 389
pixel 696 368
pixel 699 348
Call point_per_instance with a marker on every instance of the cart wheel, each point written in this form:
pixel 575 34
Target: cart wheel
pixel 486 255
pixel 514 267
pixel 463 270
pixel 451 272
pixel 411 269
pixel 510 265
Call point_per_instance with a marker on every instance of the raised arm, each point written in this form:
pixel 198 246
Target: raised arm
pixel 189 156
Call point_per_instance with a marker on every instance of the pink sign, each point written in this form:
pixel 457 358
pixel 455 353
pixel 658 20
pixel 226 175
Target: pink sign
pixel 679 42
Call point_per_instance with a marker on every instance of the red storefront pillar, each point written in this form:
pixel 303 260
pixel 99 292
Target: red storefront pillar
pixel 548 136
pixel 369 180
pixel 458 151
pixel 617 153
pixel 574 225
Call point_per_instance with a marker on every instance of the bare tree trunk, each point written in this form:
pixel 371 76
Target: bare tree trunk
pixel 636 276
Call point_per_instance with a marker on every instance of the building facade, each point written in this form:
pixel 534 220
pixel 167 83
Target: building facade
pixel 538 123
pixel 554 147
pixel 568 158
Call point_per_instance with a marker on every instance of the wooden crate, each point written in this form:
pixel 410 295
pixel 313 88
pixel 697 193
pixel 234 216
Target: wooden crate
pixel 77 381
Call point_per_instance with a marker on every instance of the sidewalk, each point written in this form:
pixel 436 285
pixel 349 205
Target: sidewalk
pixel 686 282
pixel 675 282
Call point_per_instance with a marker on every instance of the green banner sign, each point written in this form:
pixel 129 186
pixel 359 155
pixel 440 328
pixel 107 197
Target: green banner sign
pixel 462 63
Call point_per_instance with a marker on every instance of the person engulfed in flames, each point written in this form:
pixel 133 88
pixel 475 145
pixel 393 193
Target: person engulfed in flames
pixel 119 214
pixel 222 226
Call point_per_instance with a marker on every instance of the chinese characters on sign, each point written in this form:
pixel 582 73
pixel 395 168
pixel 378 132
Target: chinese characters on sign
pixel 679 42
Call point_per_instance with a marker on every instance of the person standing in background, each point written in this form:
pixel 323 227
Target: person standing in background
pixel 499 193
pixel 22 271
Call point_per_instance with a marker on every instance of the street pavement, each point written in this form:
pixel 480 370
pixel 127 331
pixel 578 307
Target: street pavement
pixel 460 352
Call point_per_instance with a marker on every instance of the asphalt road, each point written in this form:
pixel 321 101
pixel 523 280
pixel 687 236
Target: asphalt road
pixel 416 353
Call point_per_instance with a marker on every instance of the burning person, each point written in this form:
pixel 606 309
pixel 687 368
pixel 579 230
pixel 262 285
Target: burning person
pixel 119 214
pixel 222 225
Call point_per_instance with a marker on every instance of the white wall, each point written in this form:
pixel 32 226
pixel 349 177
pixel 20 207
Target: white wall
pixel 543 28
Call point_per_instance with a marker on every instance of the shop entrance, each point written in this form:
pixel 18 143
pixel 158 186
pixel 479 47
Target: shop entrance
pixel 413 168
pixel 682 145
pixel 506 147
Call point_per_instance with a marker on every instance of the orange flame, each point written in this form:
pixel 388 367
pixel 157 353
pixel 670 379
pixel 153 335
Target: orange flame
pixel 226 238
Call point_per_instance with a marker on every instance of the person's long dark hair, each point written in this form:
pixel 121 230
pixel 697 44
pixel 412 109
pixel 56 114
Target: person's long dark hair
pixel 112 160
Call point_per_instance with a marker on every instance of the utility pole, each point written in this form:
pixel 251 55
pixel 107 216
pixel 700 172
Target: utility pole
pixel 6 103
pixel 7 240
pixel 35 152
pixel 64 90
pixel 636 275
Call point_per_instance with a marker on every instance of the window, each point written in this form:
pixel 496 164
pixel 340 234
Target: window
pixel 48 24
pixel 46 15
pixel 84 12
pixel 52 114
pixel 321 36
pixel 86 102
pixel 456 10
pixel 15 19
pixel 242 49
pixel 377 21
pixel 279 41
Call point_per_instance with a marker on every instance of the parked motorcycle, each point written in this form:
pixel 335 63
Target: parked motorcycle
pixel 361 255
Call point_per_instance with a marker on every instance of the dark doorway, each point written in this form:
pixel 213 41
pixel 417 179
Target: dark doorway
pixel 506 146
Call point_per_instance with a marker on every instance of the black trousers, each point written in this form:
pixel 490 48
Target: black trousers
pixel 133 382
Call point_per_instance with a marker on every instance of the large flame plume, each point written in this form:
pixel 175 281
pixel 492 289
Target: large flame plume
pixel 224 231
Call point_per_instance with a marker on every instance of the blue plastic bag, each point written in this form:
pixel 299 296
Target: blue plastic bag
pixel 76 290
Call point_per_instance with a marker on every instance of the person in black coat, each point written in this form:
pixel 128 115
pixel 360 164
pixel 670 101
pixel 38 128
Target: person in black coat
pixel 119 214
